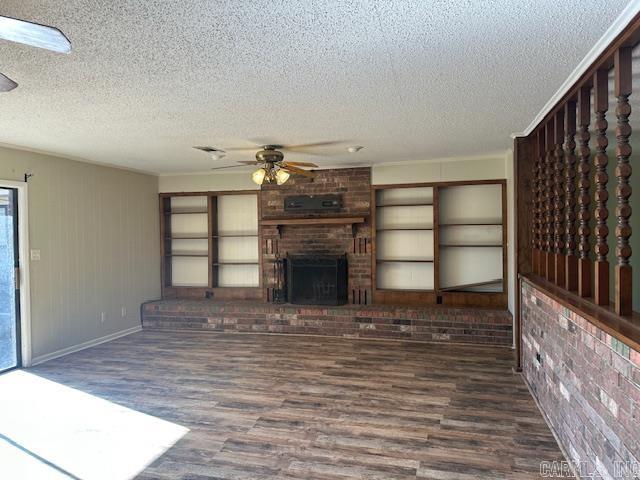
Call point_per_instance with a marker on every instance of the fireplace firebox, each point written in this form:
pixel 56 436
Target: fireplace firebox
pixel 317 280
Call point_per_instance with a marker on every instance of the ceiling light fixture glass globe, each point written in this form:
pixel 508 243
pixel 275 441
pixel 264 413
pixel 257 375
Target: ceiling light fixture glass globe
pixel 258 176
pixel 282 176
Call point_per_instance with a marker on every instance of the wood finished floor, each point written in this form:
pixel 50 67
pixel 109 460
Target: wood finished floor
pixel 281 407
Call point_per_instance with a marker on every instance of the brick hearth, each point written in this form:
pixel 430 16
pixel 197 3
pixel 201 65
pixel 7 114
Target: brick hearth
pixel 465 325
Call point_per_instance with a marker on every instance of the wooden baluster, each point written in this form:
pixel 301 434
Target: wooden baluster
pixel 584 197
pixel 571 263
pixel 541 200
pixel 558 200
pixel 623 86
pixel 549 263
pixel 601 267
pixel 535 190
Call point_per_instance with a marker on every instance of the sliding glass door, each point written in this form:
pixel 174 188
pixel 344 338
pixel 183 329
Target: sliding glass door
pixel 9 283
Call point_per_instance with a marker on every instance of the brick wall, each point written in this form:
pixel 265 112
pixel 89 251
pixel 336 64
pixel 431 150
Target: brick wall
pixel 587 383
pixel 424 324
pixel 354 187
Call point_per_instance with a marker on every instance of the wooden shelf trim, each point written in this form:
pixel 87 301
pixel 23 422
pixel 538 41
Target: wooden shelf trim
pixel 313 221
pixel 188 236
pixel 471 225
pixel 238 235
pixel 236 263
pixel 187 211
pixel 406 205
pixel 472 245
pixel 406 260
pixel 204 236
pixel 404 229
pixel 471 285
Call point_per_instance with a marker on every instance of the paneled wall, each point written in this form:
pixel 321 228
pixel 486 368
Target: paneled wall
pixel 97 232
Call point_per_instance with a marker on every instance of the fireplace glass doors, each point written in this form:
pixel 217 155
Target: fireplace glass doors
pixel 317 280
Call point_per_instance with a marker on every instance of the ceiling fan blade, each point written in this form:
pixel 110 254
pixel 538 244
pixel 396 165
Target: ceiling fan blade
pixel 228 166
pixel 299 171
pixel 244 149
pixel 306 146
pixel 300 164
pixel 208 149
pixel 250 162
pixel 6 84
pixel 34 34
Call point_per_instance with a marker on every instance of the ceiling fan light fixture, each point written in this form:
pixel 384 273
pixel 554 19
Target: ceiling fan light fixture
pixel 258 176
pixel 282 176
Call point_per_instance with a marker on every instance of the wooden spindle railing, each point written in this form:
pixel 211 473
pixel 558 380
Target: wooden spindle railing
pixel 571 263
pixel 584 196
pixel 541 202
pixel 601 266
pixel 535 220
pixel 623 279
pixel 549 267
pixel 558 200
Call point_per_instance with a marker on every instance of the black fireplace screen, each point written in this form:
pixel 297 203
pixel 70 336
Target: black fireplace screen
pixel 317 280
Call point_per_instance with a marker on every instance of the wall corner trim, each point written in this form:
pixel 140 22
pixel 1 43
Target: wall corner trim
pixel 82 346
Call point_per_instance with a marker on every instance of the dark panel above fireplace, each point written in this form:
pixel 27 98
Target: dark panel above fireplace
pixel 317 280
pixel 312 203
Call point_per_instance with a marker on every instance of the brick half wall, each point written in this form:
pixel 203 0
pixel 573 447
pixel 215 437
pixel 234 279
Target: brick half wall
pixel 586 382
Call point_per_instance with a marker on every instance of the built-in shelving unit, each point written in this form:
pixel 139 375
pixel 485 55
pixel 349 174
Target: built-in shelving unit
pixel 186 247
pixel 472 238
pixel 404 239
pixel 236 248
pixel 440 243
pixel 210 241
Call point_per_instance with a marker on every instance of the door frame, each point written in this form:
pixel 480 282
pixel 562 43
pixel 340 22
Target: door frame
pixel 23 258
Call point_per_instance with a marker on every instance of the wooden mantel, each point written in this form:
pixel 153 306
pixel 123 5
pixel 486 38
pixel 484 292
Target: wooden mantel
pixel 280 222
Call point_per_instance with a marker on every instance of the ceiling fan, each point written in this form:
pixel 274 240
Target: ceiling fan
pixel 33 34
pixel 273 168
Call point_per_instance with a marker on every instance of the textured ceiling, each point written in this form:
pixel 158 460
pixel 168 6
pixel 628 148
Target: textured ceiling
pixel 407 79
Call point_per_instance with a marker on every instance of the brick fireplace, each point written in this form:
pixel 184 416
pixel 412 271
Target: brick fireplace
pixel 353 240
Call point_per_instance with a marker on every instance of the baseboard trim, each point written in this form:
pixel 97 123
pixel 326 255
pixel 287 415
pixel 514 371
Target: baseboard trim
pixel 84 345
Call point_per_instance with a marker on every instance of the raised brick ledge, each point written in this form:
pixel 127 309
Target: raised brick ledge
pixel 447 324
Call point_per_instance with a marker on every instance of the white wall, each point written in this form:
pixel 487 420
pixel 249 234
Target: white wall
pixel 207 182
pixel 97 231
pixel 444 170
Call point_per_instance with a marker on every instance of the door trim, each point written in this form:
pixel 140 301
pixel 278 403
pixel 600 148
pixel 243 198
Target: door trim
pixel 23 255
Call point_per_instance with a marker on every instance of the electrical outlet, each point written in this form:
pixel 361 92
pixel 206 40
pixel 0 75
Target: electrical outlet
pixel 103 316
pixel 124 312
pixel 35 255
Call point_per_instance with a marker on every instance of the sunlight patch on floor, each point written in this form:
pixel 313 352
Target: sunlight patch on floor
pixel 51 431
